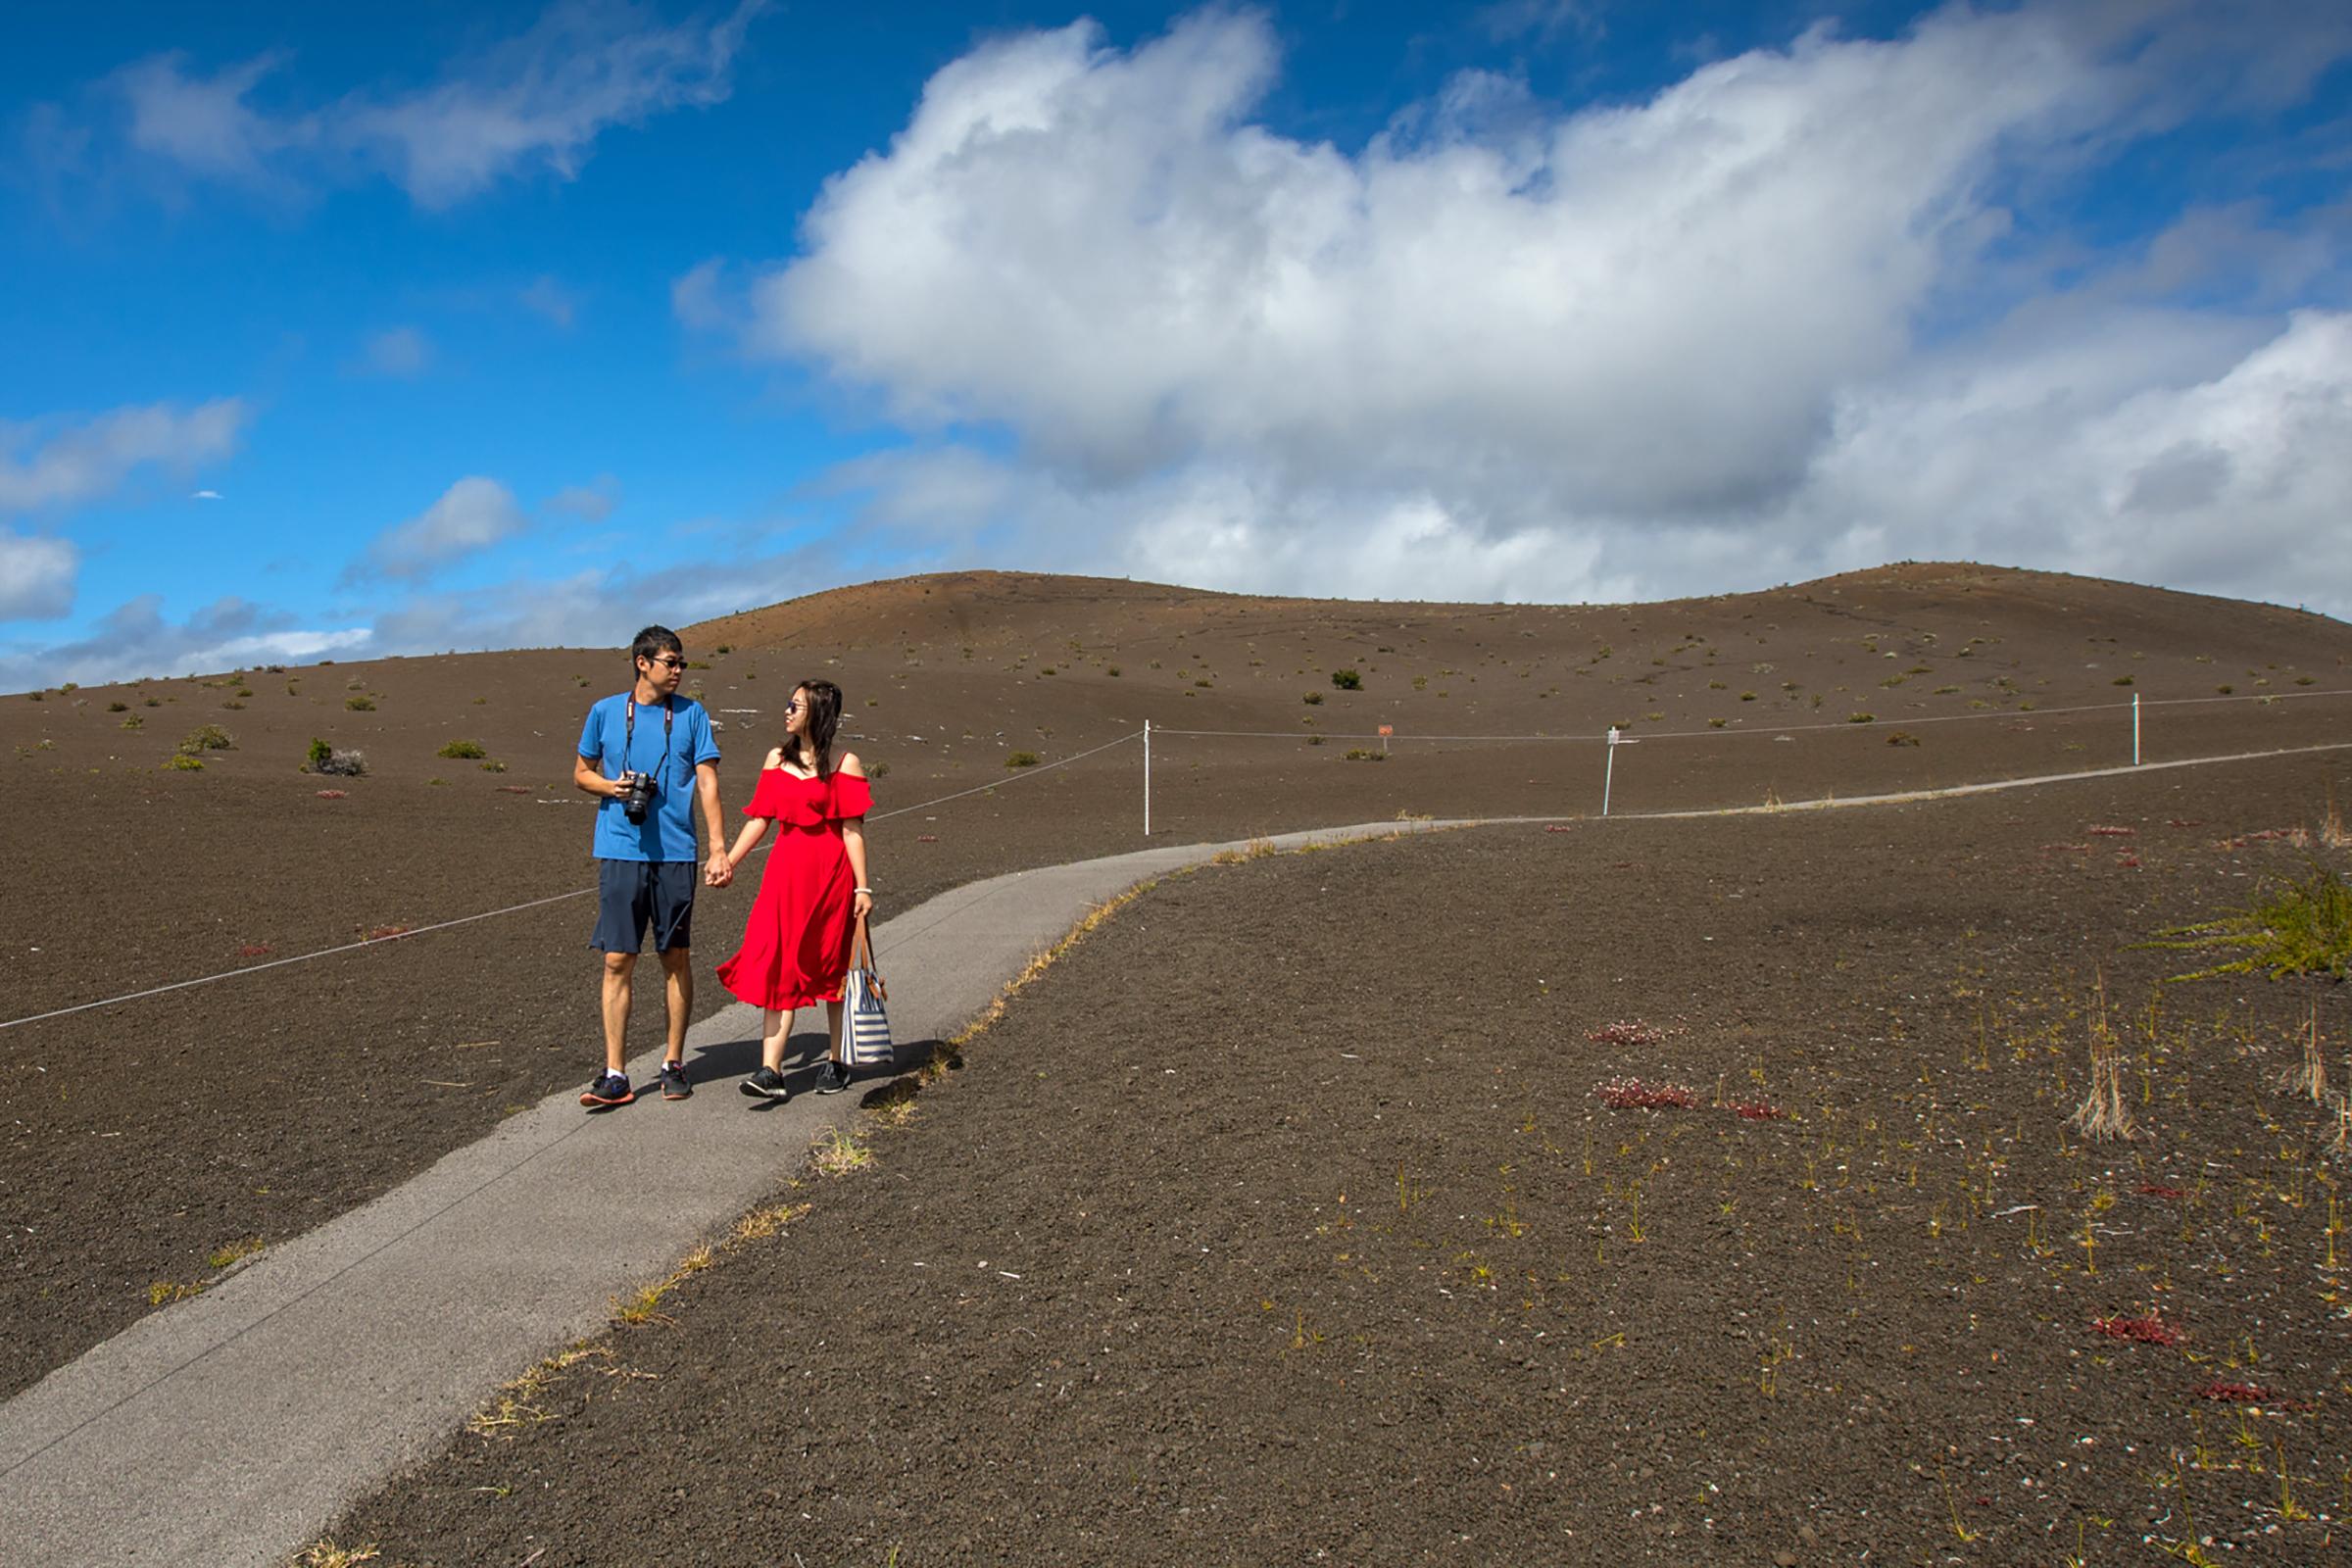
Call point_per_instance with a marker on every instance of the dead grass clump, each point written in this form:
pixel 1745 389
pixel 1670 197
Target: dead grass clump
pixel 516 1405
pixel 327 1555
pixel 894 1105
pixel 2101 1113
pixel 2333 832
pixel 837 1152
pixel 2308 1077
pixel 761 1223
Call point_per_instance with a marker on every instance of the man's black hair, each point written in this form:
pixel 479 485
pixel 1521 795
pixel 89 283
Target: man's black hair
pixel 655 640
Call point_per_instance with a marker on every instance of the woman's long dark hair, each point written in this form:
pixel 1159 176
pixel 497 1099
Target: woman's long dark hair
pixel 824 716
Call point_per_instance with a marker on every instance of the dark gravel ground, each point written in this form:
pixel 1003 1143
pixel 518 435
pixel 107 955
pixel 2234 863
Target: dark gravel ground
pixel 1281 1221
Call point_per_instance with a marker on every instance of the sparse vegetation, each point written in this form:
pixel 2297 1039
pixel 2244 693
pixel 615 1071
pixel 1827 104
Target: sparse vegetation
pixel 2302 928
pixel 1348 680
pixel 463 750
pixel 207 738
pixel 359 705
pixel 332 759
pixel 1022 759
pixel 183 762
pixel 1360 754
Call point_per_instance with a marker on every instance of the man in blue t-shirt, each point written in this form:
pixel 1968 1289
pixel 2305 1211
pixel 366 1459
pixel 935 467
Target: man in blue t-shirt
pixel 648 754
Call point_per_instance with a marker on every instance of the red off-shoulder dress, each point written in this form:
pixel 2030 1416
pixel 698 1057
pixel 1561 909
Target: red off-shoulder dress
pixel 796 944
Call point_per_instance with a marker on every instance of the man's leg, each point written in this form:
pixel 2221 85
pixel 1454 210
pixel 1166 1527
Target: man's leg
pixel 678 968
pixel 619 973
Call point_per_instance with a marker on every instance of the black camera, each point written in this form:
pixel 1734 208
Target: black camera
pixel 635 795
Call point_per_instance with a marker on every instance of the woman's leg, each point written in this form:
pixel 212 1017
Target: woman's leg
pixel 835 1012
pixel 775 1028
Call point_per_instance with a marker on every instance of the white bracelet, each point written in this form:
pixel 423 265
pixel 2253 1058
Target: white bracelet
pixel 868 892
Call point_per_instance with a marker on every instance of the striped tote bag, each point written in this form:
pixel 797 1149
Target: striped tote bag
pixel 864 1026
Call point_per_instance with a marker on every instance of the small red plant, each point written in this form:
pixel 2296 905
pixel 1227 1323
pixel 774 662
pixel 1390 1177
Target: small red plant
pixel 383 931
pixel 514 789
pixel 1628 1032
pixel 1756 1110
pixel 1556 827
pixel 2159 1190
pixel 2234 1392
pixel 333 795
pixel 1632 1094
pixel 2112 832
pixel 2149 1330
pixel 926 837
pixel 254 950
pixel 2129 862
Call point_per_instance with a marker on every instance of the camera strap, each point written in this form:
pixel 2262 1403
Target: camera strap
pixel 629 735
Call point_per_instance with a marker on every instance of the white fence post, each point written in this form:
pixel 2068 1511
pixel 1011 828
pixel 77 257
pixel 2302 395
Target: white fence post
pixel 1608 774
pixel 2135 729
pixel 1147 778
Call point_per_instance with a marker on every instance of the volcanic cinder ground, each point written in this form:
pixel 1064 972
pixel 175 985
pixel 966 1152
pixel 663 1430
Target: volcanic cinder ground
pixel 1534 1327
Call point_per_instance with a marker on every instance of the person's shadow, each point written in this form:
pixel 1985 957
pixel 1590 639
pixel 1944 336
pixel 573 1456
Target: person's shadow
pixel 725 1061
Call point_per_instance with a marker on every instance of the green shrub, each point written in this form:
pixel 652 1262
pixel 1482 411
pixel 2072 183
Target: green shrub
pixel 494 767
pixel 325 758
pixel 2304 928
pixel 1360 754
pixel 2121 680
pixel 359 705
pixel 877 771
pixel 117 708
pixel 182 763
pixel 1312 699
pixel 210 738
pixel 133 721
pixel 463 751
pixel 1113 671
pixel 1348 680
pixel 1022 759
pixel 725 648
pixel 319 754
pixel 1903 737
pixel 1860 719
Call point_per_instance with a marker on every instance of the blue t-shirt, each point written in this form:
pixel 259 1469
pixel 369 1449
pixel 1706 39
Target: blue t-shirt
pixel 668 832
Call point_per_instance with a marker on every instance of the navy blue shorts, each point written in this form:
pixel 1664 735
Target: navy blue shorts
pixel 630 894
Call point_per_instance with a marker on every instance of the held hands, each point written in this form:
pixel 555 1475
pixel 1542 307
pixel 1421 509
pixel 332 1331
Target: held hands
pixel 861 905
pixel 719 872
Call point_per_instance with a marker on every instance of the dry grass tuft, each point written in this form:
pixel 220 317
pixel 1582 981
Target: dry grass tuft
pixel 327 1555
pixel 516 1405
pixel 2308 1077
pixel 761 1223
pixel 894 1105
pixel 236 1251
pixel 2102 1114
pixel 837 1152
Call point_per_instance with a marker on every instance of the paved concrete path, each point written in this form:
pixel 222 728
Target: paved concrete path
pixel 231 1429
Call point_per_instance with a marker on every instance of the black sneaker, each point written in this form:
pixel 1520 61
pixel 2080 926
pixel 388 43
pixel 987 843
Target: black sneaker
pixel 832 1078
pixel 673 1081
pixel 610 1089
pixel 765 1084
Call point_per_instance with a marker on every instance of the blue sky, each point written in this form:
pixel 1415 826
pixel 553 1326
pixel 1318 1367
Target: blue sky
pixel 376 329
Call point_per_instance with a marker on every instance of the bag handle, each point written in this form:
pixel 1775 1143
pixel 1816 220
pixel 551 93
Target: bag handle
pixel 862 940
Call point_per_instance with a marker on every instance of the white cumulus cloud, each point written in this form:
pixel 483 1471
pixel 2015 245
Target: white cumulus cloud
pixel 36 577
pixel 1508 349
pixel 61 462
pixel 471 517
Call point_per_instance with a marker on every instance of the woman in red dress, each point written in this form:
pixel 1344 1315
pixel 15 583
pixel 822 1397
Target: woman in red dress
pixel 796 944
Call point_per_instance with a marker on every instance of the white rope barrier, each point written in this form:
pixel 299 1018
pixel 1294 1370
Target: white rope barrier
pixel 492 914
pixel 1611 740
